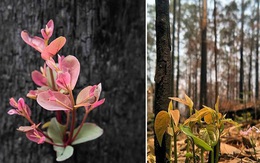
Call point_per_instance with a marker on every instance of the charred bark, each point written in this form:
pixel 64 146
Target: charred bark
pixel 108 38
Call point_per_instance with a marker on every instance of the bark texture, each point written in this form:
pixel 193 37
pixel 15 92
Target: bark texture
pixel 108 38
pixel 163 81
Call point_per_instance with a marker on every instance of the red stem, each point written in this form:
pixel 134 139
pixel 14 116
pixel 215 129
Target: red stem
pixel 81 125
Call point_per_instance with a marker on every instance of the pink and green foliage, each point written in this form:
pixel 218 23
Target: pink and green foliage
pixel 56 83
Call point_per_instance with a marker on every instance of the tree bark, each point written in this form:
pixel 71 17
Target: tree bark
pixel 173 46
pixel 178 55
pixel 257 54
pixel 241 71
pixel 216 50
pixel 203 80
pixel 163 70
pixel 108 38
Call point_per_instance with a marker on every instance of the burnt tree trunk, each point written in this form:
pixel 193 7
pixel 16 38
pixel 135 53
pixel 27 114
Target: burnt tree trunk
pixel 163 80
pixel 203 74
pixel 108 38
pixel 241 70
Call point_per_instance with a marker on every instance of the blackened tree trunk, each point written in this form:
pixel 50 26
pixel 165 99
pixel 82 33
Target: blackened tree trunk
pixel 250 67
pixel 163 70
pixel 203 79
pixel 108 38
pixel 241 72
pixel 216 49
pixel 173 47
pixel 178 49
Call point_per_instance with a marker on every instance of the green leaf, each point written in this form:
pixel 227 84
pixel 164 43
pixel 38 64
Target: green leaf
pixel 89 131
pixel 63 153
pixel 161 123
pixel 199 142
pixel 56 131
pixel 210 134
pixel 189 155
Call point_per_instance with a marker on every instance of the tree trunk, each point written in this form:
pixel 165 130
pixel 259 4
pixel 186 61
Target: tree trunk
pixel 241 72
pixel 250 67
pixel 203 80
pixel 108 38
pixel 178 55
pixel 163 71
pixel 173 47
pixel 216 50
pixel 256 59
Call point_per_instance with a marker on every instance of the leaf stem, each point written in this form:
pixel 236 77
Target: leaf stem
pixel 72 126
pixel 52 80
pixel 73 119
pixel 212 156
pixel 175 146
pixel 54 144
pixel 202 155
pixel 81 125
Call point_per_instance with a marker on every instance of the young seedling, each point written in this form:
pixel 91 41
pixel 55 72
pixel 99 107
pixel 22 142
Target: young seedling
pixel 207 121
pixel 56 81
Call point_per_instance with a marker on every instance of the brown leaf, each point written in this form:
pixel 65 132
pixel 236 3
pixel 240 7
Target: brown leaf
pixel 175 114
pixel 161 124
pixel 228 149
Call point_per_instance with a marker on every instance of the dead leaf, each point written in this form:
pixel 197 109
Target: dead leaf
pixel 228 149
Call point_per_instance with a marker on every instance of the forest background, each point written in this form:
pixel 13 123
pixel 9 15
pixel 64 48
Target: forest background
pixel 231 67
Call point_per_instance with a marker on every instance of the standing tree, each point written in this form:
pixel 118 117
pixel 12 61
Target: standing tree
pixel 215 49
pixel 163 71
pixel 257 51
pixel 241 72
pixel 173 45
pixel 203 80
pixel 178 49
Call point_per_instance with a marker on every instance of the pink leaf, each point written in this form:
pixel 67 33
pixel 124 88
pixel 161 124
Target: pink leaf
pixel 98 103
pixel 25 128
pixel 63 80
pixel 83 95
pixel 23 108
pixel 34 93
pixel 97 91
pixel 13 103
pixel 88 97
pixel 38 78
pixel 35 42
pixel 35 136
pixel 71 65
pixel 48 102
pixel 47 32
pixel 12 112
pixel 53 48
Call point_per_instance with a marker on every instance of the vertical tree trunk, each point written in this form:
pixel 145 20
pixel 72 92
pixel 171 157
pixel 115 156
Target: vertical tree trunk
pixel 173 47
pixel 178 55
pixel 163 70
pixel 250 67
pixel 241 72
pixel 108 38
pixel 203 80
pixel 216 49
pixel 257 54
